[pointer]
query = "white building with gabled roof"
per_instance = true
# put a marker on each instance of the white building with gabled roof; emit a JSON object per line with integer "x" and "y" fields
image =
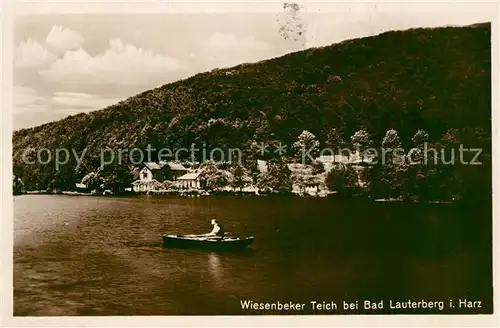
{"x": 189, "y": 180}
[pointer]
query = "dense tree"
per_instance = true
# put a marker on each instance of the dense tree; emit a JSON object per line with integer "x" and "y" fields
{"x": 361, "y": 140}
{"x": 240, "y": 177}
{"x": 251, "y": 165}
{"x": 334, "y": 141}
{"x": 213, "y": 178}
{"x": 343, "y": 180}
{"x": 306, "y": 147}
{"x": 391, "y": 140}
{"x": 277, "y": 178}
{"x": 117, "y": 178}
{"x": 392, "y": 172}
{"x": 420, "y": 138}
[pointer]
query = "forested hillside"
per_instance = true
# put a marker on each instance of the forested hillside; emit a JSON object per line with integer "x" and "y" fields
{"x": 430, "y": 79}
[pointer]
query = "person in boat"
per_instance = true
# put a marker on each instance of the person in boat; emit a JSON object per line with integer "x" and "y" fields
{"x": 217, "y": 229}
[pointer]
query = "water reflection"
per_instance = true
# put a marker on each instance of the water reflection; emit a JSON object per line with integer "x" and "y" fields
{"x": 214, "y": 267}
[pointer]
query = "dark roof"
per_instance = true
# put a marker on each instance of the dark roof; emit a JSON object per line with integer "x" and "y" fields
{"x": 157, "y": 166}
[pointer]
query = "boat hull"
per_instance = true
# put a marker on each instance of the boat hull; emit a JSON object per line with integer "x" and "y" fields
{"x": 210, "y": 243}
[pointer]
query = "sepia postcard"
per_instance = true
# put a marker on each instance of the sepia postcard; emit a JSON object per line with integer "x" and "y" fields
{"x": 267, "y": 163}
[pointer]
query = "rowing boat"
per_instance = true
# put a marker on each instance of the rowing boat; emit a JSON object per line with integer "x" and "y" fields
{"x": 206, "y": 242}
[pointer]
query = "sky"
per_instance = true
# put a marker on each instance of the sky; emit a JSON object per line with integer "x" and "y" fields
{"x": 73, "y": 63}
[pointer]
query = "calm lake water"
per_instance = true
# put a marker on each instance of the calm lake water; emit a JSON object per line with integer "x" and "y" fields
{"x": 77, "y": 255}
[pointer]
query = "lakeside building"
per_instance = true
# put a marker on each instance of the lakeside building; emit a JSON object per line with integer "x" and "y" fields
{"x": 189, "y": 180}
{"x": 161, "y": 171}
{"x": 154, "y": 173}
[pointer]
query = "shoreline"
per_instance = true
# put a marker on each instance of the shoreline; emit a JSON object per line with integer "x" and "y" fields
{"x": 204, "y": 193}
{"x": 176, "y": 193}
{"x": 401, "y": 200}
